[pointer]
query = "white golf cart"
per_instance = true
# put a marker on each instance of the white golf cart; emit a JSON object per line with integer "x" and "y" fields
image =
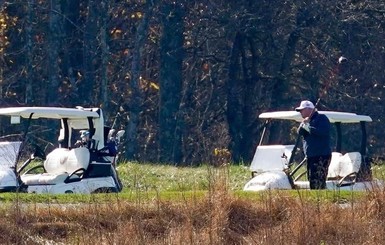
{"x": 273, "y": 166}
{"x": 65, "y": 169}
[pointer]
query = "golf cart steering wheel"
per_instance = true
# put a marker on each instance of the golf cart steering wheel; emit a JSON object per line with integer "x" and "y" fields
{"x": 38, "y": 152}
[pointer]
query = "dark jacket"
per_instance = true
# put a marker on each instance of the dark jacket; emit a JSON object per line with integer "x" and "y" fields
{"x": 317, "y": 142}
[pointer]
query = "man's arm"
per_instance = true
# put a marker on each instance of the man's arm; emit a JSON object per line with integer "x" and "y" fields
{"x": 320, "y": 126}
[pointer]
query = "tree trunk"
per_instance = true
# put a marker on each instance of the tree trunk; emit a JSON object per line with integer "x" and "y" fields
{"x": 170, "y": 79}
{"x": 54, "y": 46}
{"x": 242, "y": 98}
{"x": 28, "y": 56}
{"x": 104, "y": 95}
{"x": 234, "y": 95}
{"x": 73, "y": 57}
{"x": 280, "y": 93}
{"x": 135, "y": 104}
{"x": 90, "y": 48}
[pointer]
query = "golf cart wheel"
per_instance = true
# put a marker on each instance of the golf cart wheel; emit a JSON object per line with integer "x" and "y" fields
{"x": 106, "y": 190}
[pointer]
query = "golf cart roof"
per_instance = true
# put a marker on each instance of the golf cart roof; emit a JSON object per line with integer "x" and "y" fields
{"x": 334, "y": 116}
{"x": 51, "y": 112}
{"x": 72, "y": 119}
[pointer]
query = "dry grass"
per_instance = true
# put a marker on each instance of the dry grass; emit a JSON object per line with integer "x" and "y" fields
{"x": 217, "y": 218}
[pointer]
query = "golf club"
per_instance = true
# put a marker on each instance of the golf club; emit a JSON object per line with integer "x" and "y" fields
{"x": 342, "y": 60}
{"x": 333, "y": 74}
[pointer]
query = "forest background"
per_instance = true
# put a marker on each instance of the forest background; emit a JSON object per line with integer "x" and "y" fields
{"x": 186, "y": 77}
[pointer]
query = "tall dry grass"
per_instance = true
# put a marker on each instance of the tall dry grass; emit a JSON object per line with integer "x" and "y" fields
{"x": 218, "y": 218}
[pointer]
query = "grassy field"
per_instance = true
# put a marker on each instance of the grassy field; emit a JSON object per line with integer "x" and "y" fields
{"x": 162, "y": 204}
{"x": 169, "y": 178}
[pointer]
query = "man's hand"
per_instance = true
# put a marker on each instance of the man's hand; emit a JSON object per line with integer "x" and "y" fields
{"x": 79, "y": 143}
{"x": 304, "y": 128}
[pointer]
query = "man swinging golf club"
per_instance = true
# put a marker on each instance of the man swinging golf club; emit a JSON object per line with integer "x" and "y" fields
{"x": 315, "y": 130}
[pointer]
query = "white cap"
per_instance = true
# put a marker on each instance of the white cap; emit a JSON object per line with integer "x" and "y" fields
{"x": 84, "y": 133}
{"x": 305, "y": 104}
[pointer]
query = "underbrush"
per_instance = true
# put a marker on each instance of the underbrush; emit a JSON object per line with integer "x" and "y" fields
{"x": 215, "y": 217}
{"x": 197, "y": 206}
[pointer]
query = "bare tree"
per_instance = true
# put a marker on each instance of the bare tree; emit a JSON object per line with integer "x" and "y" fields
{"x": 170, "y": 80}
{"x": 29, "y": 53}
{"x": 54, "y": 46}
{"x": 90, "y": 53}
{"x": 104, "y": 83}
{"x": 136, "y": 101}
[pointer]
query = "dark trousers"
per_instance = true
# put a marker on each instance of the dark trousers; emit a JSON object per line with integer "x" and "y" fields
{"x": 317, "y": 171}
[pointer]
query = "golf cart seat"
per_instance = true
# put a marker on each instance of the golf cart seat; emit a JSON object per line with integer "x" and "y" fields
{"x": 61, "y": 166}
{"x": 344, "y": 167}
